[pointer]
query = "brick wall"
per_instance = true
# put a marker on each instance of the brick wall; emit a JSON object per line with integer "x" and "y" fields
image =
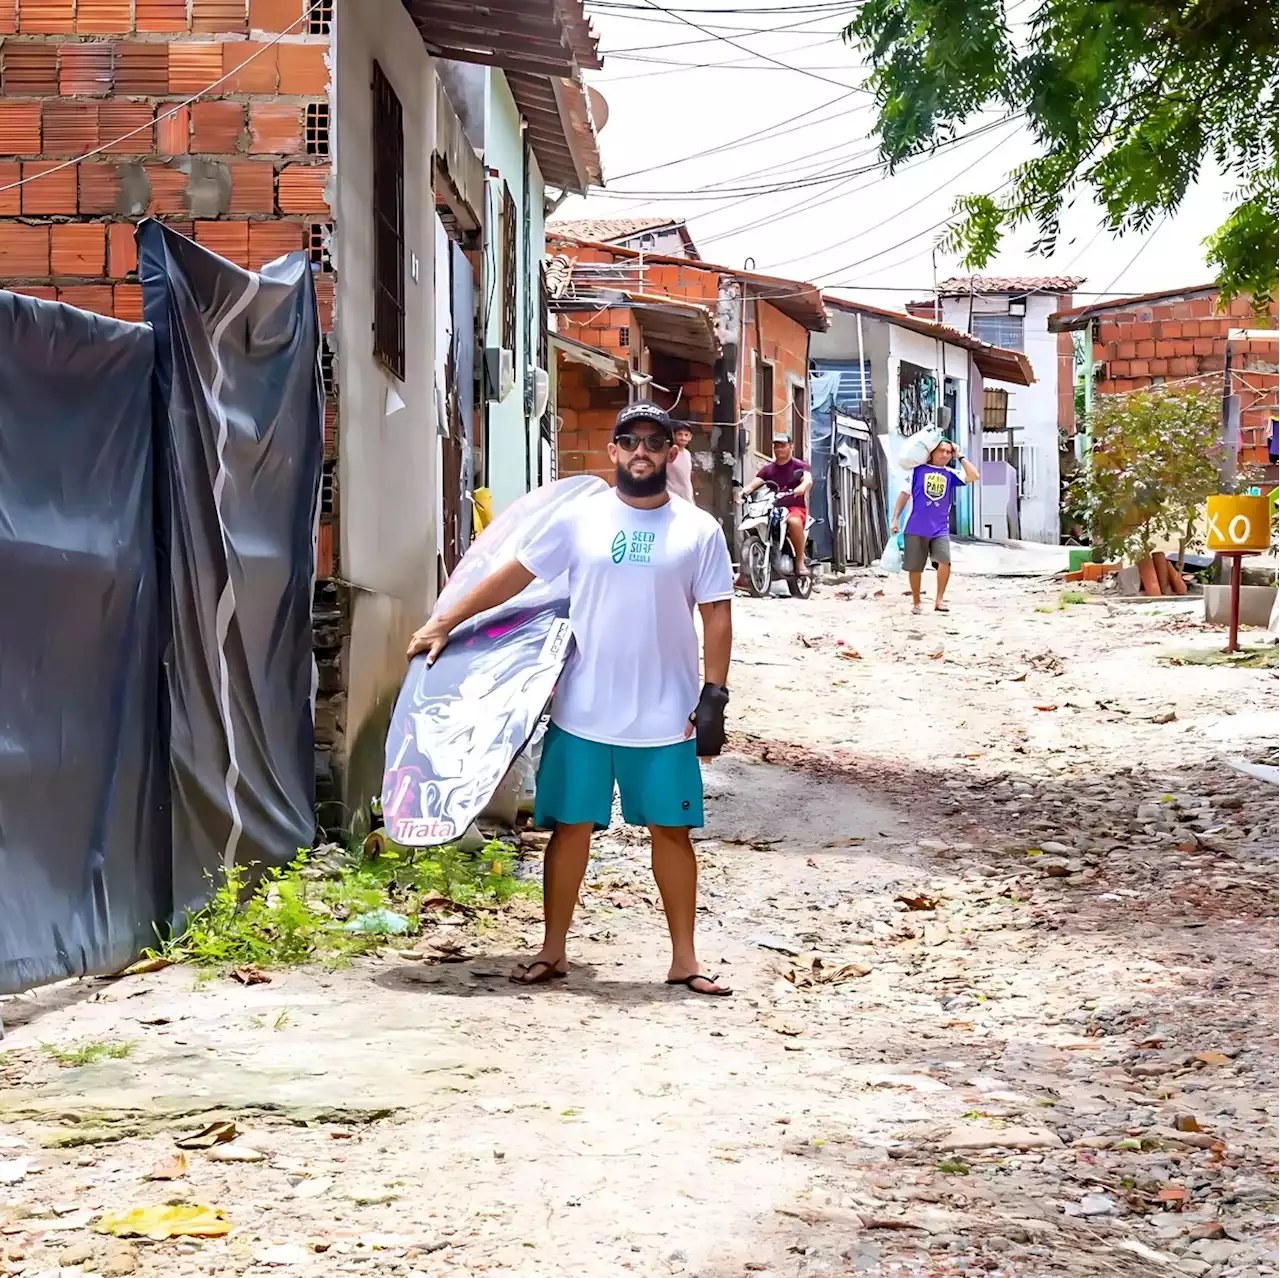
{"x": 1174, "y": 341}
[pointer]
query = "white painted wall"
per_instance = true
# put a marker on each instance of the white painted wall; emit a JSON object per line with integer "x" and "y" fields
{"x": 387, "y": 480}
{"x": 1033, "y": 408}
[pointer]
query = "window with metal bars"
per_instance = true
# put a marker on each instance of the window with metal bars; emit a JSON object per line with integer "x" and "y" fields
{"x": 388, "y": 224}
{"x": 999, "y": 330}
{"x": 624, "y": 336}
{"x": 320, "y": 17}
{"x": 764, "y": 408}
{"x": 317, "y": 128}
{"x": 508, "y": 269}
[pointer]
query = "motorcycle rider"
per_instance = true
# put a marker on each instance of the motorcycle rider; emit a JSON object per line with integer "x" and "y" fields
{"x": 793, "y": 479}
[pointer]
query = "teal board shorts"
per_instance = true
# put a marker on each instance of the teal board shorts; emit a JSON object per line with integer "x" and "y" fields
{"x": 659, "y": 785}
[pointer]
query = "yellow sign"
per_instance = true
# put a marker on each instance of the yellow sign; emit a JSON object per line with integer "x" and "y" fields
{"x": 1238, "y": 524}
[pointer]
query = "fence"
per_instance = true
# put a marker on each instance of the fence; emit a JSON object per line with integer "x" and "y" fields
{"x": 159, "y": 494}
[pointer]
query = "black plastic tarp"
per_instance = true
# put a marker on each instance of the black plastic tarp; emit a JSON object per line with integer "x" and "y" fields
{"x": 84, "y": 832}
{"x": 240, "y": 407}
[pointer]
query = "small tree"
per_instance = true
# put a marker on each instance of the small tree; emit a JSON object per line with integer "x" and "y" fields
{"x": 1153, "y": 463}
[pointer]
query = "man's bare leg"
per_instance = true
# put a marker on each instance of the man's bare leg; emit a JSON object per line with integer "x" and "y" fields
{"x": 675, "y": 867}
{"x": 795, "y": 531}
{"x": 944, "y": 576}
{"x": 917, "y": 580}
{"x": 563, "y": 868}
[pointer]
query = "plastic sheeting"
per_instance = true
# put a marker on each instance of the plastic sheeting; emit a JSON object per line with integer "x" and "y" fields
{"x": 240, "y": 396}
{"x": 460, "y": 724}
{"x": 84, "y": 831}
{"x": 823, "y": 388}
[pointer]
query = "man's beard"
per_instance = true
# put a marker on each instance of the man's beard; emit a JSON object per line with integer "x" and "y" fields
{"x": 650, "y": 486}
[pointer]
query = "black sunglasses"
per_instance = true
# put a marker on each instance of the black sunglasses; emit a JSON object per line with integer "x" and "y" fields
{"x": 652, "y": 443}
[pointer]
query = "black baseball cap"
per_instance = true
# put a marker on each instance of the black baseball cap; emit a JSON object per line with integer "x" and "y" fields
{"x": 643, "y": 411}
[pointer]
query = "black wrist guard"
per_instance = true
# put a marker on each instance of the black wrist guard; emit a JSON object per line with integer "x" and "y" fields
{"x": 708, "y": 720}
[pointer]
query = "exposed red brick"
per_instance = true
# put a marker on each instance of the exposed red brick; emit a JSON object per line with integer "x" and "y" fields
{"x": 324, "y": 302}
{"x": 1118, "y": 368}
{"x": 86, "y": 70}
{"x": 103, "y": 17}
{"x": 45, "y": 292}
{"x": 46, "y": 188}
{"x": 252, "y": 68}
{"x": 324, "y": 550}
{"x": 128, "y": 302}
{"x": 142, "y": 68}
{"x": 330, "y": 428}
{"x": 8, "y": 17}
{"x": 1203, "y": 346}
{"x": 218, "y": 15}
{"x": 270, "y": 240}
{"x": 89, "y": 297}
{"x": 130, "y": 123}
{"x": 168, "y": 16}
{"x": 193, "y": 65}
{"x": 1126, "y": 350}
{"x": 253, "y": 187}
{"x": 1145, "y": 350}
{"x": 24, "y": 250}
{"x": 99, "y": 187}
{"x": 1141, "y": 332}
{"x": 173, "y": 129}
{"x": 30, "y": 70}
{"x": 1158, "y": 367}
{"x": 216, "y": 127}
{"x": 47, "y": 17}
{"x": 302, "y": 188}
{"x": 19, "y": 128}
{"x": 11, "y": 198}
{"x": 1184, "y": 346}
{"x": 168, "y": 190}
{"x": 70, "y": 128}
{"x": 1139, "y": 368}
{"x": 302, "y": 68}
{"x": 275, "y": 16}
{"x": 227, "y": 239}
{"x": 78, "y": 248}
{"x": 275, "y": 128}
{"x": 122, "y": 250}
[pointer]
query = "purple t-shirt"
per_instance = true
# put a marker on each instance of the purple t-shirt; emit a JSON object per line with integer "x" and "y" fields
{"x": 932, "y": 489}
{"x": 787, "y": 476}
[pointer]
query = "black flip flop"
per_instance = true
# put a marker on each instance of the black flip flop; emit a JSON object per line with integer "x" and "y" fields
{"x": 688, "y": 981}
{"x": 551, "y": 973}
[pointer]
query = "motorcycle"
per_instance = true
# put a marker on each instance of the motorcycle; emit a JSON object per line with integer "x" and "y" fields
{"x": 766, "y": 549}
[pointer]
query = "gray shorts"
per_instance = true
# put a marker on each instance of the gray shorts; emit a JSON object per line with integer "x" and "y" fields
{"x": 917, "y": 550}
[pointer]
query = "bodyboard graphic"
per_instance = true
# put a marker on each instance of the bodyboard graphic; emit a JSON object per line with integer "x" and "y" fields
{"x": 459, "y": 725}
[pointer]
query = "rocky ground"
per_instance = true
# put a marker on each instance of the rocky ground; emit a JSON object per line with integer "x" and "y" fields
{"x": 1001, "y": 920}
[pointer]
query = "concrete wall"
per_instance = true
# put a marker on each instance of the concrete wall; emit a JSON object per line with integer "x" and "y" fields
{"x": 387, "y": 467}
{"x": 1033, "y": 410}
{"x": 512, "y": 460}
{"x": 840, "y": 341}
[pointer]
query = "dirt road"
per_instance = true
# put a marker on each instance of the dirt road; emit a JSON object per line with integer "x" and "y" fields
{"x": 1000, "y": 920}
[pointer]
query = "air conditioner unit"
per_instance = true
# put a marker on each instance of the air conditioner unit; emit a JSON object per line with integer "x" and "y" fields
{"x": 499, "y": 372}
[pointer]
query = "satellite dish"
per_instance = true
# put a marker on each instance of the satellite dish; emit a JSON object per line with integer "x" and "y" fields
{"x": 599, "y": 108}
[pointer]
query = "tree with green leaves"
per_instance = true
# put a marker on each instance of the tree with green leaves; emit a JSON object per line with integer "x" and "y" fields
{"x": 1153, "y": 463}
{"x": 1130, "y": 100}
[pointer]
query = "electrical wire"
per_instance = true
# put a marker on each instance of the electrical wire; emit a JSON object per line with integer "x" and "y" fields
{"x": 709, "y": 39}
{"x": 174, "y": 110}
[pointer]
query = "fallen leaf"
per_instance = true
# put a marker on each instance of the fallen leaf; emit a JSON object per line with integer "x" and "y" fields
{"x": 1047, "y": 708}
{"x": 169, "y": 1169}
{"x": 1213, "y": 1058}
{"x": 143, "y": 966}
{"x": 250, "y": 974}
{"x": 850, "y": 654}
{"x": 818, "y": 973}
{"x": 215, "y": 1134}
{"x": 920, "y": 902}
{"x": 161, "y": 1222}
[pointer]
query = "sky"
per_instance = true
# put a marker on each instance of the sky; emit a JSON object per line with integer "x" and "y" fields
{"x": 773, "y": 94}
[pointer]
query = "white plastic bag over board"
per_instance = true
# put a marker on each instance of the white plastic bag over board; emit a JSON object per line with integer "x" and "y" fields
{"x": 916, "y": 448}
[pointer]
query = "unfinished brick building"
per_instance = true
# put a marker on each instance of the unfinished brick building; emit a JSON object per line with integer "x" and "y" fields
{"x": 1180, "y": 335}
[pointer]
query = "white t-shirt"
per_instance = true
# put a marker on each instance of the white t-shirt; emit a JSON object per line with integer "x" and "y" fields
{"x": 680, "y": 475}
{"x": 635, "y": 577}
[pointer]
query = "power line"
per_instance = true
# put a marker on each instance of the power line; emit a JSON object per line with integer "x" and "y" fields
{"x": 746, "y": 31}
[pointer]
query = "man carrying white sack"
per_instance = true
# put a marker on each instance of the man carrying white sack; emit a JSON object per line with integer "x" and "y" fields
{"x": 627, "y": 708}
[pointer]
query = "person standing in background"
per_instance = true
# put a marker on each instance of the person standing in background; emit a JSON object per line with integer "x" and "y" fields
{"x": 680, "y": 467}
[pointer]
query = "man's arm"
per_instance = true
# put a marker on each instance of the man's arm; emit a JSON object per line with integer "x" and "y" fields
{"x": 971, "y": 475}
{"x": 717, "y": 640}
{"x": 903, "y": 498}
{"x": 757, "y": 482}
{"x": 806, "y": 483}
{"x": 492, "y": 592}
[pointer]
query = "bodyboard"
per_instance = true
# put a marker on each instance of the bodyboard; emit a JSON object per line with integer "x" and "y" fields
{"x": 459, "y": 725}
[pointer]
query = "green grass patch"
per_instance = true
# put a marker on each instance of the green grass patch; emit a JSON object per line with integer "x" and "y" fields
{"x": 295, "y": 914}
{"x": 87, "y": 1053}
{"x": 953, "y": 1167}
{"x": 1246, "y": 659}
{"x": 1069, "y": 597}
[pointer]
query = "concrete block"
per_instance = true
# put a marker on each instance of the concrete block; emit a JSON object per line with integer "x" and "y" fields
{"x": 1256, "y": 603}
